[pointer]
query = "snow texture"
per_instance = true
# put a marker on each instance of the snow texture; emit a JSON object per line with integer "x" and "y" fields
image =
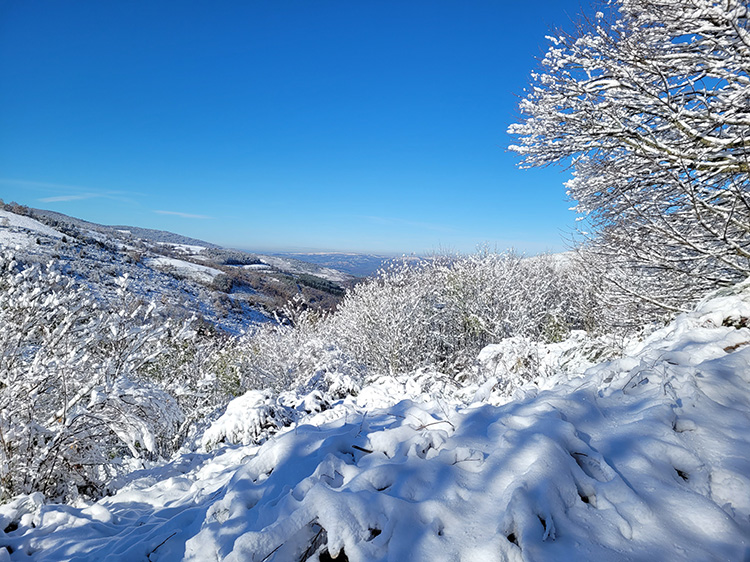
{"x": 188, "y": 270}
{"x": 19, "y": 230}
{"x": 642, "y": 458}
{"x": 187, "y": 249}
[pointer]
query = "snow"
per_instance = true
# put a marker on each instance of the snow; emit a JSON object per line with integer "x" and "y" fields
{"x": 557, "y": 258}
{"x": 13, "y": 238}
{"x": 243, "y": 420}
{"x": 192, "y": 271}
{"x": 643, "y": 457}
{"x": 21, "y": 221}
{"x": 187, "y": 249}
{"x": 20, "y": 230}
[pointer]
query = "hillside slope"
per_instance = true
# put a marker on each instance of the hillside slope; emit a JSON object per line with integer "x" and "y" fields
{"x": 646, "y": 457}
{"x": 156, "y": 238}
{"x": 230, "y": 289}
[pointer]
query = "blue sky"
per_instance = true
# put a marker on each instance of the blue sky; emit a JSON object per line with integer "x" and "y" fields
{"x": 374, "y": 126}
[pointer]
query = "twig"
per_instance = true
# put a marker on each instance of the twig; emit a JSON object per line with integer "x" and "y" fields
{"x": 426, "y": 425}
{"x": 271, "y": 553}
{"x": 160, "y": 544}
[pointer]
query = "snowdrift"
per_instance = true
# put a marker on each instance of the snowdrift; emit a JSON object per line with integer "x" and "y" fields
{"x": 646, "y": 457}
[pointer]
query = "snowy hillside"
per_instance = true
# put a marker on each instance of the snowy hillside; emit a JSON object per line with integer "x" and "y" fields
{"x": 194, "y": 247}
{"x": 184, "y": 268}
{"x": 97, "y": 259}
{"x": 297, "y": 266}
{"x": 645, "y": 457}
{"x": 359, "y": 265}
{"x": 21, "y": 230}
{"x": 191, "y": 276}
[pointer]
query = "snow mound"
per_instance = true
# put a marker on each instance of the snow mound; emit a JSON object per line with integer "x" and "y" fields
{"x": 244, "y": 420}
{"x": 642, "y": 458}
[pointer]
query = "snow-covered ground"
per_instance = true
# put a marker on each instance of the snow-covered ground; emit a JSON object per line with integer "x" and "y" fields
{"x": 184, "y": 269}
{"x": 642, "y": 458}
{"x": 257, "y": 267}
{"x": 19, "y": 230}
{"x": 187, "y": 249}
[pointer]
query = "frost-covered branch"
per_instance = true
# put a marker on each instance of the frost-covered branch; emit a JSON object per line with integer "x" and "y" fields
{"x": 653, "y": 107}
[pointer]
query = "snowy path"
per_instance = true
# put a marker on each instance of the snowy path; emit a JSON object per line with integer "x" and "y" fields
{"x": 645, "y": 458}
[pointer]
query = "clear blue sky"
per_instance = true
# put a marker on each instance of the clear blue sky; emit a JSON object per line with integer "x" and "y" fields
{"x": 374, "y": 126}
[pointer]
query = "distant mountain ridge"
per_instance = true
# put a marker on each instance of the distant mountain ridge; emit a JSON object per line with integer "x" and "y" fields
{"x": 154, "y": 235}
{"x": 352, "y": 265}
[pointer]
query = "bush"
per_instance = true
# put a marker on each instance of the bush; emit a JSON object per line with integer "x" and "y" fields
{"x": 439, "y": 313}
{"x": 442, "y": 312}
{"x": 77, "y": 392}
{"x": 222, "y": 282}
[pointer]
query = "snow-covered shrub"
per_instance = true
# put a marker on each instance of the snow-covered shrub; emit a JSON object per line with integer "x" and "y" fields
{"x": 516, "y": 361}
{"x": 247, "y": 419}
{"x": 426, "y": 321}
{"x": 73, "y": 395}
{"x": 391, "y": 323}
{"x": 436, "y": 313}
{"x": 444, "y": 311}
{"x": 193, "y": 371}
{"x": 258, "y": 414}
{"x": 297, "y": 351}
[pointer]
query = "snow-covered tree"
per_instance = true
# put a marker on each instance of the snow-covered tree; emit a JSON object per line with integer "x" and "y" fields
{"x": 652, "y": 104}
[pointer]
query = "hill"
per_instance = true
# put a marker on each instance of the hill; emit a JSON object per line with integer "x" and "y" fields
{"x": 160, "y": 236}
{"x": 229, "y": 288}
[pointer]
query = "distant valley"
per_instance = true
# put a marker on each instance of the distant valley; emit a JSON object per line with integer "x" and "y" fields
{"x": 358, "y": 265}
